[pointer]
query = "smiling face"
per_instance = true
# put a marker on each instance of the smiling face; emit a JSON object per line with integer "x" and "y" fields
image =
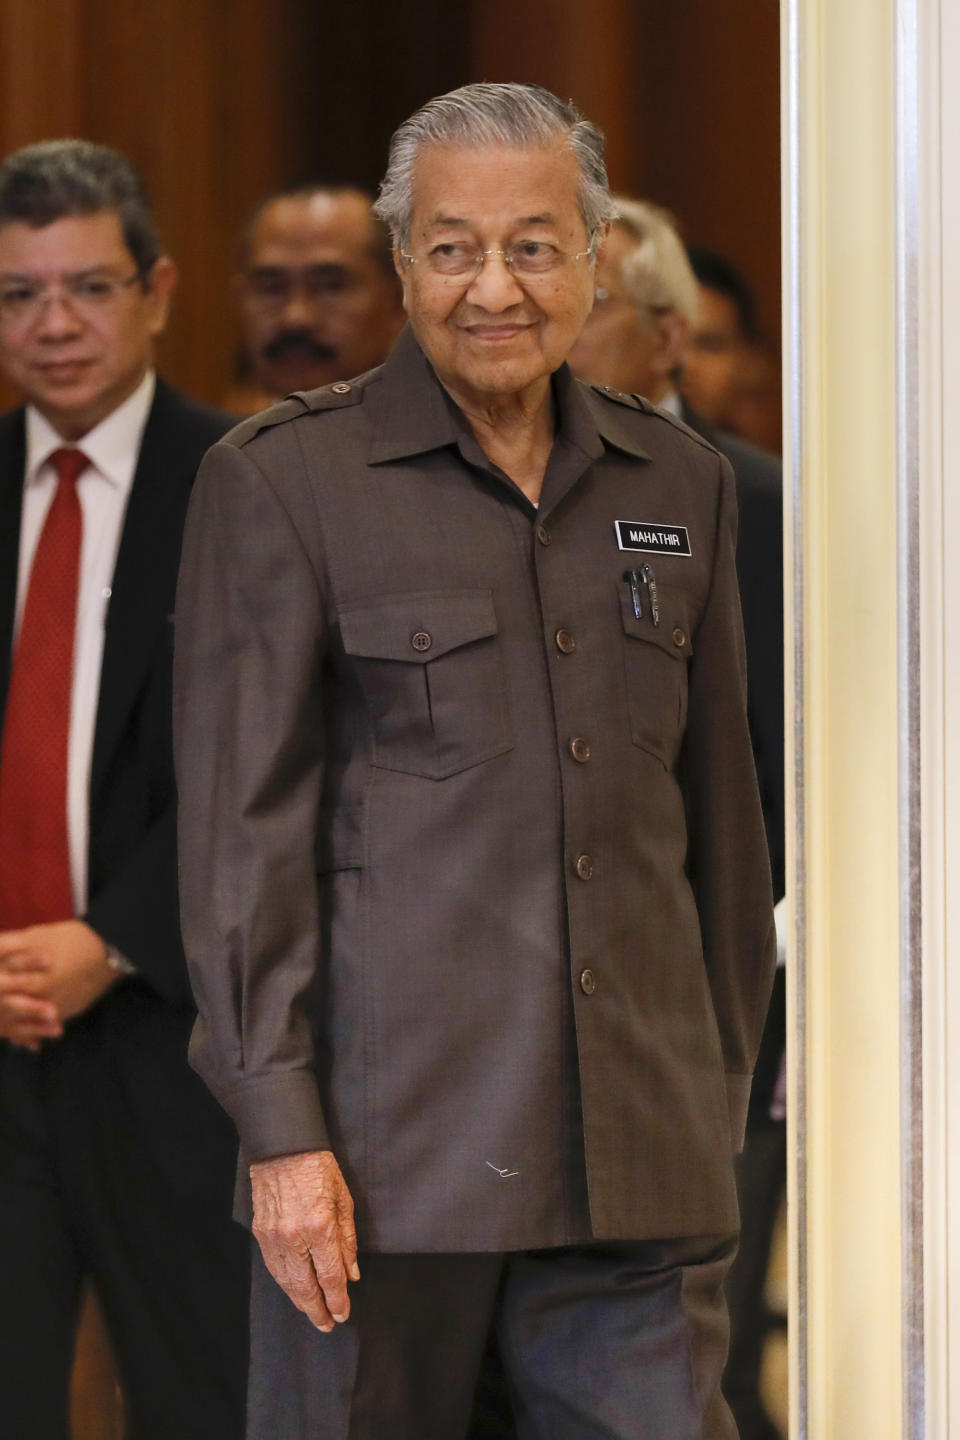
{"x": 495, "y": 335}
{"x": 77, "y": 364}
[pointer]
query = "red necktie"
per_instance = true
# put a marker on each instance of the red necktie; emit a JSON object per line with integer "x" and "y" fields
{"x": 35, "y": 884}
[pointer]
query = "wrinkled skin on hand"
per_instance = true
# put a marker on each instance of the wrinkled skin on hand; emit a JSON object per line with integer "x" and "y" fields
{"x": 303, "y": 1221}
{"x": 48, "y": 974}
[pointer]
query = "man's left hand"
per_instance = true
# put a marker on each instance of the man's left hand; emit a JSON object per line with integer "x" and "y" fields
{"x": 63, "y": 963}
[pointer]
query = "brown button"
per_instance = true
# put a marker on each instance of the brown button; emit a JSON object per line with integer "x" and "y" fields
{"x": 341, "y": 388}
{"x": 679, "y": 638}
{"x": 588, "y": 982}
{"x": 543, "y": 535}
{"x": 584, "y": 867}
{"x": 580, "y": 749}
{"x": 421, "y": 640}
{"x": 566, "y": 642}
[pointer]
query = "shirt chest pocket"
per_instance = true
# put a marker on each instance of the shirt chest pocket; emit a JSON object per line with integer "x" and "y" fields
{"x": 431, "y": 669}
{"x": 655, "y": 662}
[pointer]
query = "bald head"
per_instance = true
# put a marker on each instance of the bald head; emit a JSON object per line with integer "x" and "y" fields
{"x": 319, "y": 299}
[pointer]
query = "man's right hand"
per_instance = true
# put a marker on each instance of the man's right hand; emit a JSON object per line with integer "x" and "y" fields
{"x": 27, "y": 1015}
{"x": 303, "y": 1221}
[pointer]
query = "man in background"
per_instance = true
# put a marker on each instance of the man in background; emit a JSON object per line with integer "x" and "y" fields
{"x": 730, "y": 376}
{"x": 319, "y": 297}
{"x": 115, "y": 1166}
{"x": 637, "y": 339}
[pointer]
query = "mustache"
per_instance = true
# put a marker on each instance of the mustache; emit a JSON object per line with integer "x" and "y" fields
{"x": 298, "y": 343}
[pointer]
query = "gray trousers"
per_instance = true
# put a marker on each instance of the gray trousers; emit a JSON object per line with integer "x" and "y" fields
{"x": 601, "y": 1342}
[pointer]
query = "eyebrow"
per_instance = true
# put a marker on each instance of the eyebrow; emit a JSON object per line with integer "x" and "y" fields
{"x": 546, "y": 218}
{"x": 320, "y": 267}
{"x": 106, "y": 265}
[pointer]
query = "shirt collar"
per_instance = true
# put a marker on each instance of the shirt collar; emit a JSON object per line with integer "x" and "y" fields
{"x": 111, "y": 447}
{"x": 413, "y": 412}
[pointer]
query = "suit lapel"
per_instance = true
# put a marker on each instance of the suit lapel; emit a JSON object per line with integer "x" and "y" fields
{"x": 144, "y": 580}
{"x": 12, "y": 459}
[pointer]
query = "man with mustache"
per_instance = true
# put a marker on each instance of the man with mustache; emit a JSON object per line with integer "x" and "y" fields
{"x": 319, "y": 298}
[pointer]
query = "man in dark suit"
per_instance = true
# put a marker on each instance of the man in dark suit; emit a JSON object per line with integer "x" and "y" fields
{"x": 114, "y": 1165}
{"x": 462, "y": 750}
{"x": 636, "y": 338}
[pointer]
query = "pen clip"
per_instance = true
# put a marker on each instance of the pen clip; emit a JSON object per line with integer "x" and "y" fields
{"x": 649, "y": 579}
{"x": 633, "y": 578}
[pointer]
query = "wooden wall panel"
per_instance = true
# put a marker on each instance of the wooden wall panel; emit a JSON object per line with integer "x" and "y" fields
{"x": 709, "y": 85}
{"x": 587, "y": 53}
{"x": 220, "y": 101}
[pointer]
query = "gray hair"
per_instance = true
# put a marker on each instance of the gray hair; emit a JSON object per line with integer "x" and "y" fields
{"x": 55, "y": 179}
{"x": 657, "y": 272}
{"x": 508, "y": 114}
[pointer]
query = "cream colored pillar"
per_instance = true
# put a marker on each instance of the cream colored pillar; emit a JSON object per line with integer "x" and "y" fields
{"x": 841, "y": 328}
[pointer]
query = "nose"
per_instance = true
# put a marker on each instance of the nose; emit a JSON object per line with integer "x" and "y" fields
{"x": 58, "y": 318}
{"x": 495, "y": 286}
{"x": 299, "y": 308}
{"x": 296, "y": 312}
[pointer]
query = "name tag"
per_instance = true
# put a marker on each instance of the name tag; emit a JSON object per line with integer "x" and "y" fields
{"x": 647, "y": 535}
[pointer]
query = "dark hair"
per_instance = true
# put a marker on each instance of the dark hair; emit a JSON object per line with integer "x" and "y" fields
{"x": 57, "y": 178}
{"x": 381, "y": 244}
{"x": 718, "y": 273}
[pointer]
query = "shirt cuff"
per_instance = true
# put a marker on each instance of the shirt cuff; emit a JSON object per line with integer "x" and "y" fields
{"x": 278, "y": 1114}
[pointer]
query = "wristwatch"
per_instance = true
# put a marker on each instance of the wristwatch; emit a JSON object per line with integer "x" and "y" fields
{"x": 119, "y": 962}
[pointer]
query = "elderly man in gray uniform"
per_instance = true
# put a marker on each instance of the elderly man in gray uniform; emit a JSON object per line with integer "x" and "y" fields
{"x": 474, "y": 880}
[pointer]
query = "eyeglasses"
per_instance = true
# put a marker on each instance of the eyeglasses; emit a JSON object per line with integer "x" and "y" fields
{"x": 23, "y": 301}
{"x": 526, "y": 259}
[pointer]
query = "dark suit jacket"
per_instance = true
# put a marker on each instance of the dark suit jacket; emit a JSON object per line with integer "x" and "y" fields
{"x": 132, "y": 855}
{"x": 759, "y": 477}
{"x": 540, "y": 942}
{"x": 112, "y": 1109}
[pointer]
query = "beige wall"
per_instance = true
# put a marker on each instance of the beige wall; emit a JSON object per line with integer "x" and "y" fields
{"x": 843, "y": 205}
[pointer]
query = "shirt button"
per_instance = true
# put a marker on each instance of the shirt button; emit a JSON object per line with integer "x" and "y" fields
{"x": 566, "y": 642}
{"x": 106, "y": 592}
{"x": 341, "y": 388}
{"x": 679, "y": 638}
{"x": 543, "y": 535}
{"x": 580, "y": 749}
{"x": 584, "y": 867}
{"x": 588, "y": 982}
{"x": 421, "y": 640}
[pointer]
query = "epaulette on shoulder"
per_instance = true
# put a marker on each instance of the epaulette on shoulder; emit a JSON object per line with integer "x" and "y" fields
{"x": 620, "y": 397}
{"x": 680, "y": 425}
{"x": 637, "y": 402}
{"x": 301, "y": 402}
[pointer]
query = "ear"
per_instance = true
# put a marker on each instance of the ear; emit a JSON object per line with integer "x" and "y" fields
{"x": 602, "y": 233}
{"x": 673, "y": 336}
{"x": 161, "y": 284}
{"x": 403, "y": 269}
{"x": 160, "y": 287}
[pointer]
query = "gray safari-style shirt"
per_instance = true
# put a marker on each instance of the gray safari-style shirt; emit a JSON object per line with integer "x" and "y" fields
{"x": 475, "y": 888}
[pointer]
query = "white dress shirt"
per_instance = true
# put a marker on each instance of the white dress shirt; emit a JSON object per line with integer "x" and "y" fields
{"x": 112, "y": 448}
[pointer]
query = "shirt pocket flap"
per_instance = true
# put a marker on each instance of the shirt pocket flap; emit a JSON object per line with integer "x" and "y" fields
{"x": 672, "y": 632}
{"x": 417, "y": 627}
